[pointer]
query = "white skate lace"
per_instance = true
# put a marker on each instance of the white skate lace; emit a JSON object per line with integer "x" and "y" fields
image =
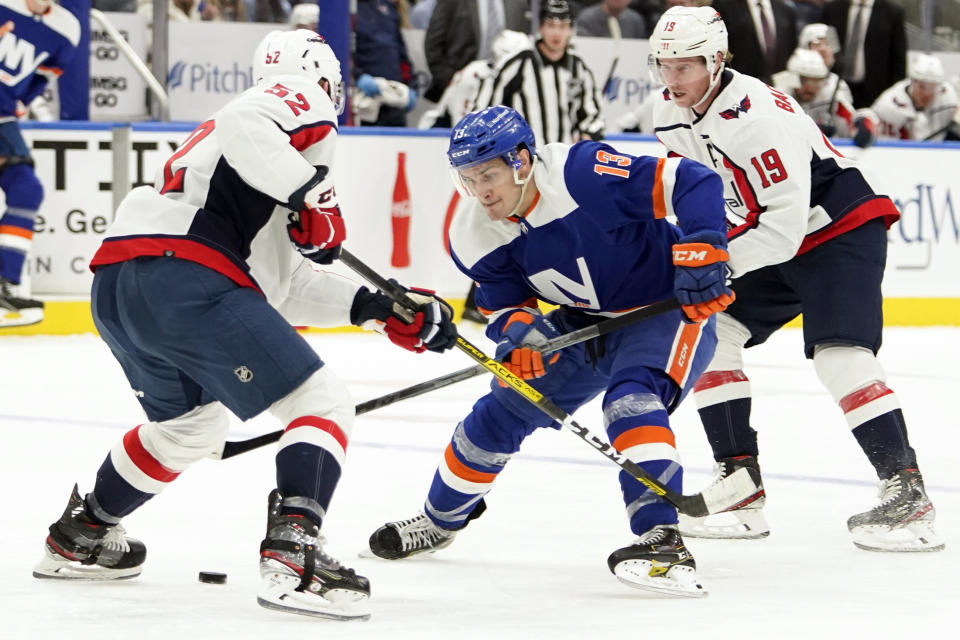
{"x": 328, "y": 561}
{"x": 419, "y": 532}
{"x": 116, "y": 539}
{"x": 653, "y": 536}
{"x": 890, "y": 490}
{"x": 720, "y": 469}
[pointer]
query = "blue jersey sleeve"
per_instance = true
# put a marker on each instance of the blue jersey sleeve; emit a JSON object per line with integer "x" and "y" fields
{"x": 500, "y": 285}
{"x": 698, "y": 199}
{"x": 619, "y": 189}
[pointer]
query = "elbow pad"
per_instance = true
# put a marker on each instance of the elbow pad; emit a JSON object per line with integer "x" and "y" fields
{"x": 297, "y": 199}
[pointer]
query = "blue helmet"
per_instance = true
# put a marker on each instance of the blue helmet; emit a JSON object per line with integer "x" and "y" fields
{"x": 494, "y": 132}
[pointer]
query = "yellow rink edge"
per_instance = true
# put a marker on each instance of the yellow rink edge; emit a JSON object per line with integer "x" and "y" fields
{"x": 73, "y": 317}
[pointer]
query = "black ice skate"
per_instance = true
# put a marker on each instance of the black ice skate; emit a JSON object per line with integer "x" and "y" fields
{"x": 298, "y": 577}
{"x": 80, "y": 549}
{"x": 903, "y": 521}
{"x": 405, "y": 538}
{"x": 15, "y": 311}
{"x": 744, "y": 521}
{"x": 658, "y": 561}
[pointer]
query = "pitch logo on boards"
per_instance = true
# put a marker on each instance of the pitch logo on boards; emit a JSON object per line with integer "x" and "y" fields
{"x": 209, "y": 78}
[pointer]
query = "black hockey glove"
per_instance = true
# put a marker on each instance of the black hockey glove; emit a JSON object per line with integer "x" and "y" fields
{"x": 865, "y": 132}
{"x": 430, "y": 328}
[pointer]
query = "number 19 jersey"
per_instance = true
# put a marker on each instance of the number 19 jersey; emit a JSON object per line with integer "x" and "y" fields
{"x": 787, "y": 189}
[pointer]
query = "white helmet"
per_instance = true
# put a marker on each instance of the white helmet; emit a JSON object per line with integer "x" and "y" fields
{"x": 300, "y": 53}
{"x": 508, "y": 43}
{"x": 305, "y": 13}
{"x": 808, "y": 64}
{"x": 926, "y": 68}
{"x": 816, "y": 31}
{"x": 685, "y": 32}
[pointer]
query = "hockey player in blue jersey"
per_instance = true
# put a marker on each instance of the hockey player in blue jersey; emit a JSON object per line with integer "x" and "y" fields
{"x": 810, "y": 237}
{"x": 198, "y": 285}
{"x": 37, "y": 38}
{"x": 583, "y": 227}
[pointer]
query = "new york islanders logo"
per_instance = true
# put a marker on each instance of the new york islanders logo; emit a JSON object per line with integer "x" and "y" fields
{"x": 734, "y": 112}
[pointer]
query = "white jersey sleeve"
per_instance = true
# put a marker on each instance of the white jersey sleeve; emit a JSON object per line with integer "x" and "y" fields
{"x": 318, "y": 298}
{"x": 894, "y": 113}
{"x": 940, "y": 114}
{"x": 897, "y": 117}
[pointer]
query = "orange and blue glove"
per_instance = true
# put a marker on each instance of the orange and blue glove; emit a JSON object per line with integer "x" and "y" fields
{"x": 700, "y": 274}
{"x": 521, "y": 343}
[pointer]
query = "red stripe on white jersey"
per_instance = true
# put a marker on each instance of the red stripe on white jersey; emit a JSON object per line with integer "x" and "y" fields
{"x": 128, "y": 248}
{"x": 144, "y": 460}
{"x": 716, "y": 387}
{"x": 328, "y": 426}
{"x": 870, "y": 402}
{"x": 309, "y": 135}
{"x": 878, "y": 207}
{"x": 318, "y": 432}
{"x": 712, "y": 379}
{"x": 862, "y": 396}
{"x": 844, "y": 113}
{"x": 754, "y": 209}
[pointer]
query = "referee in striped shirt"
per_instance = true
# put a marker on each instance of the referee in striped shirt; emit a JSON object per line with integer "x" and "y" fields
{"x": 549, "y": 85}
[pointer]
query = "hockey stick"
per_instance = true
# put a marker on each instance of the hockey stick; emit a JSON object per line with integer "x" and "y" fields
{"x": 734, "y": 490}
{"x": 942, "y": 129}
{"x": 609, "y": 325}
{"x": 614, "y": 25}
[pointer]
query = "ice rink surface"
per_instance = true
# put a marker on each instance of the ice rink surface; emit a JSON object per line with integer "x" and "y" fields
{"x": 534, "y": 566}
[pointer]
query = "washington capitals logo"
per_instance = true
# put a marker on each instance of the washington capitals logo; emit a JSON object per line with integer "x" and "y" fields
{"x": 730, "y": 114}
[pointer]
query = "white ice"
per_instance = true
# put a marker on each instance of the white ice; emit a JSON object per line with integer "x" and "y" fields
{"x": 534, "y": 565}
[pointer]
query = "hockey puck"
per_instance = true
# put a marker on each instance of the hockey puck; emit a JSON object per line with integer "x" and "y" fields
{"x": 212, "y": 577}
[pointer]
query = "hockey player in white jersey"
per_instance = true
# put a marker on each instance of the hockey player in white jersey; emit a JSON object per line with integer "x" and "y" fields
{"x": 922, "y": 106}
{"x": 37, "y": 39}
{"x": 457, "y": 99}
{"x": 824, "y": 97}
{"x": 809, "y": 236}
{"x": 198, "y": 285}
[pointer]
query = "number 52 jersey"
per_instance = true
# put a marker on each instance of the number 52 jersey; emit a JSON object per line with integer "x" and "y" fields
{"x": 223, "y": 198}
{"x": 787, "y": 189}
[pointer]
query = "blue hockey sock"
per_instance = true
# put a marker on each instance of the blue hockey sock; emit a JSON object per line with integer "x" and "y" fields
{"x": 307, "y": 476}
{"x": 884, "y": 440}
{"x": 727, "y": 425}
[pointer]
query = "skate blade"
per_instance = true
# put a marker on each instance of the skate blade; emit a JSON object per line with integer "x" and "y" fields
{"x": 737, "y": 490}
{"x": 368, "y": 554}
{"x": 743, "y": 524}
{"x": 678, "y": 581}
{"x": 279, "y": 593}
{"x": 914, "y": 537}
{"x": 51, "y": 568}
{"x": 22, "y": 318}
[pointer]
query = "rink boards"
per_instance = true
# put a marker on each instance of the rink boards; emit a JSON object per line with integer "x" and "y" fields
{"x": 74, "y": 162}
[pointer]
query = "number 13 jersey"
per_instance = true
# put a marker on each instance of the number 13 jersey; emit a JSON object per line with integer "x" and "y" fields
{"x": 787, "y": 189}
